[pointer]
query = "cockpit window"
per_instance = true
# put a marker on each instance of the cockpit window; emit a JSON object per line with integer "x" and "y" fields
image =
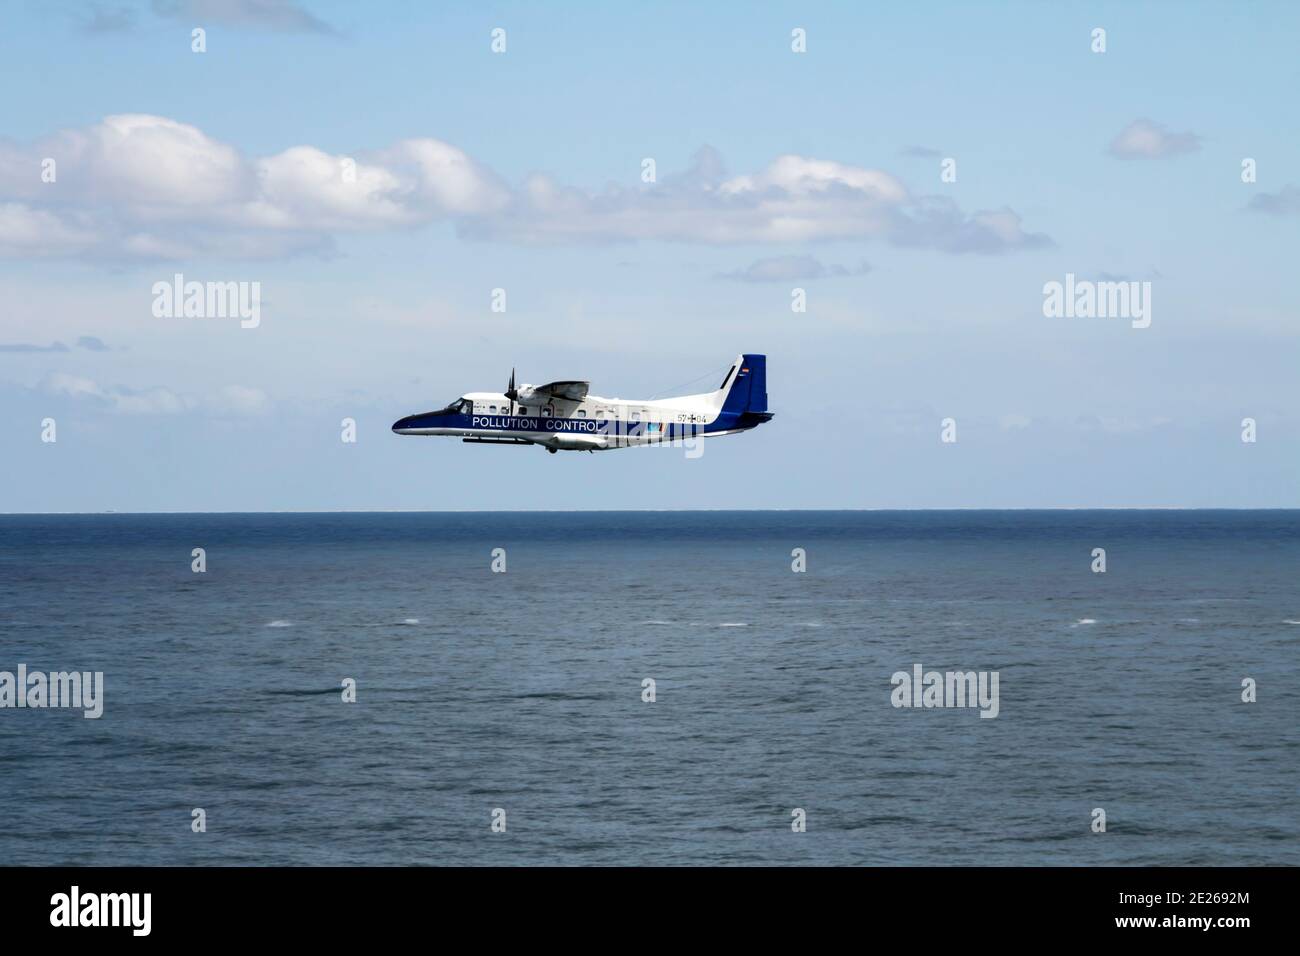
{"x": 462, "y": 406}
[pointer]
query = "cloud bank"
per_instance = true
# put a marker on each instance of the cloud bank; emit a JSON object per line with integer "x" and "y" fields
{"x": 149, "y": 187}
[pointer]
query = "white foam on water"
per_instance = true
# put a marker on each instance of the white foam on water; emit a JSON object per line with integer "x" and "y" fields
{"x": 733, "y": 624}
{"x": 411, "y": 620}
{"x": 280, "y": 624}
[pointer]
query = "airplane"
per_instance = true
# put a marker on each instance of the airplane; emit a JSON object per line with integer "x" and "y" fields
{"x": 564, "y": 416}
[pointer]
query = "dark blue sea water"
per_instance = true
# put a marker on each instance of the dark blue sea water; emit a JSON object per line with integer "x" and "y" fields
{"x": 522, "y": 690}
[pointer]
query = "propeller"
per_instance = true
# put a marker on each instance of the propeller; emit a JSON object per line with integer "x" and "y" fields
{"x": 512, "y": 393}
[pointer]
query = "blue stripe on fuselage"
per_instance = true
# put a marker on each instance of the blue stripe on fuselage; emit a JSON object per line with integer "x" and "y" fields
{"x": 725, "y": 421}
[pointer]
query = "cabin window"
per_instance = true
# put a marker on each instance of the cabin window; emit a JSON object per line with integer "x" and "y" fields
{"x": 600, "y": 414}
{"x": 492, "y": 408}
{"x": 523, "y": 409}
{"x": 581, "y": 413}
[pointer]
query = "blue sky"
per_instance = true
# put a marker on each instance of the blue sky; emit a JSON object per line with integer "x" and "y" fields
{"x": 522, "y": 171}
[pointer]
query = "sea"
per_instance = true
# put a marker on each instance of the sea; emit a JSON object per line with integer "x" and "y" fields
{"x": 654, "y": 688}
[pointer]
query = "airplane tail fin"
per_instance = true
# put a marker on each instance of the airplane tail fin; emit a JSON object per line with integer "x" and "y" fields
{"x": 748, "y": 388}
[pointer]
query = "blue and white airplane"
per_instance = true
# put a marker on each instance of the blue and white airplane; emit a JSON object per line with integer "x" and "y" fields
{"x": 564, "y": 416}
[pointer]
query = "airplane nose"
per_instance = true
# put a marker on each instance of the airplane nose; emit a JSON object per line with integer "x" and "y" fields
{"x": 401, "y": 423}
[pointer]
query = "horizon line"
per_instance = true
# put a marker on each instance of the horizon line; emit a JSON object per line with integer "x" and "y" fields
{"x": 372, "y": 511}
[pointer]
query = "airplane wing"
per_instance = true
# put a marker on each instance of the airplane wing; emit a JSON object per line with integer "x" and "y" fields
{"x": 569, "y": 391}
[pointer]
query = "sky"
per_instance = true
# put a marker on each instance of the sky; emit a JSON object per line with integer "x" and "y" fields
{"x": 922, "y": 172}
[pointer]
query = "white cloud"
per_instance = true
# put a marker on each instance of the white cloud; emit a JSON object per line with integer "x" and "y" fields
{"x": 442, "y": 177}
{"x": 794, "y": 199}
{"x": 150, "y": 401}
{"x": 284, "y": 16}
{"x": 63, "y": 384}
{"x": 797, "y": 176}
{"x": 1144, "y": 139}
{"x": 143, "y": 186}
{"x": 792, "y": 268}
{"x": 1284, "y": 202}
{"x": 25, "y": 231}
{"x": 152, "y": 163}
{"x": 304, "y": 187}
{"x": 242, "y": 399}
{"x": 150, "y": 160}
{"x": 90, "y": 343}
{"x": 156, "y": 400}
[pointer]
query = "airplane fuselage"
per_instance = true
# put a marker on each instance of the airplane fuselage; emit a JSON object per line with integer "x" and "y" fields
{"x": 598, "y": 424}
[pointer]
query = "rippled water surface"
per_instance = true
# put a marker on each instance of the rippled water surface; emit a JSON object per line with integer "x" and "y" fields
{"x": 523, "y": 690}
